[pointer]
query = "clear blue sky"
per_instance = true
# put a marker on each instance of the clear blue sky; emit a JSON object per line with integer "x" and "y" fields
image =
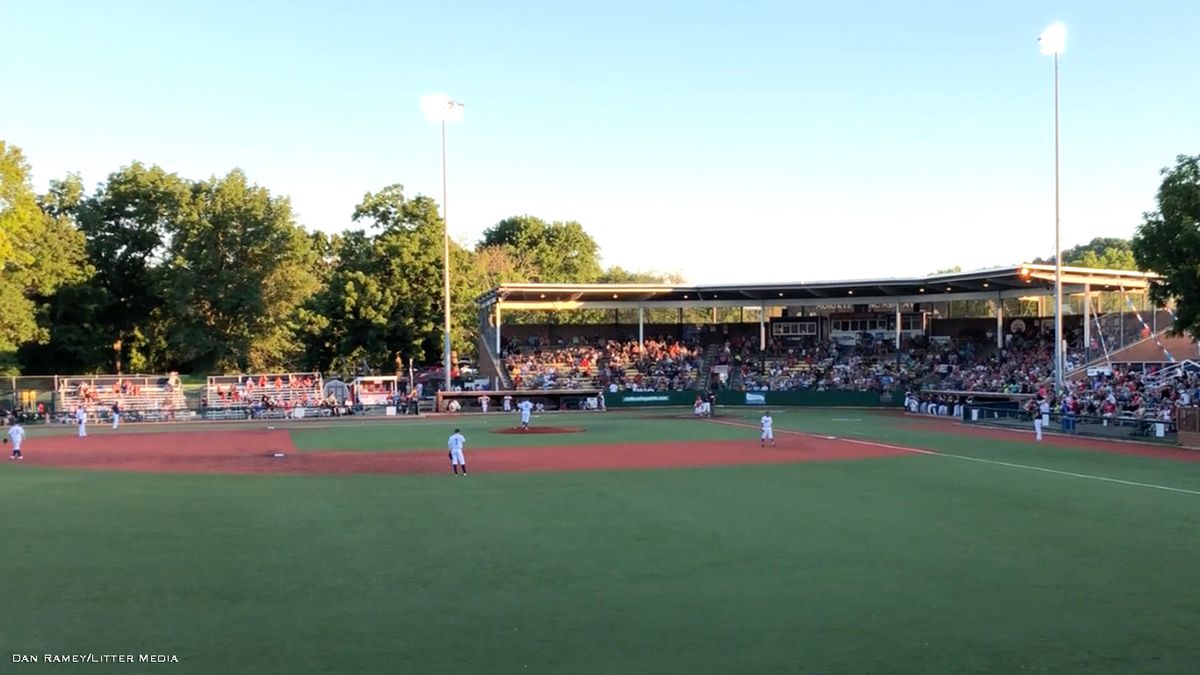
{"x": 731, "y": 141}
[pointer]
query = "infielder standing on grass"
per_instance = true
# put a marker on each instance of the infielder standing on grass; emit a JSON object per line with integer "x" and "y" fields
{"x": 81, "y": 420}
{"x": 456, "y": 452}
{"x": 526, "y": 408}
{"x": 768, "y": 434}
{"x": 16, "y": 434}
{"x": 116, "y": 414}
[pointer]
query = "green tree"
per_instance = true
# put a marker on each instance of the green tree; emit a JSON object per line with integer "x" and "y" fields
{"x": 40, "y": 250}
{"x": 1168, "y": 242}
{"x": 238, "y": 274}
{"x": 558, "y": 252}
{"x": 1108, "y": 253}
{"x": 126, "y": 223}
{"x": 384, "y": 297}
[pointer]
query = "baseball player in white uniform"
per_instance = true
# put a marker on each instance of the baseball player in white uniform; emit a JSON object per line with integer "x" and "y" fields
{"x": 456, "y": 443}
{"x": 81, "y": 420}
{"x": 1041, "y": 417}
{"x": 526, "y": 408}
{"x": 116, "y": 414}
{"x": 484, "y": 401}
{"x": 16, "y": 434}
{"x": 507, "y": 403}
{"x": 768, "y": 432}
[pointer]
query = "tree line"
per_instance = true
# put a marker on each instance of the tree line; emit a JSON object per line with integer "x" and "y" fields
{"x": 169, "y": 273}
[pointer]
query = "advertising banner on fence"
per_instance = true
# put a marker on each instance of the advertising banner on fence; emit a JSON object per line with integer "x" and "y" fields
{"x": 755, "y": 399}
{"x": 650, "y": 398}
{"x": 646, "y": 398}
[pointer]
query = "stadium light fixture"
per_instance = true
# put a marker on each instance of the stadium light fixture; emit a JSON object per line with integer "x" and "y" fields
{"x": 442, "y": 109}
{"x": 1053, "y": 41}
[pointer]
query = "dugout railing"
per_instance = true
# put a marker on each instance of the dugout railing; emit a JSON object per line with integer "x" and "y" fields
{"x": 1119, "y": 427}
{"x": 550, "y": 399}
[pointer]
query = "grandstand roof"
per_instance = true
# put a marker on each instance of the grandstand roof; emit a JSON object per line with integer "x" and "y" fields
{"x": 1002, "y": 282}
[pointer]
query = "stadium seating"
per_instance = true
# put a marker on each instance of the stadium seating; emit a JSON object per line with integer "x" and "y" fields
{"x": 273, "y": 395}
{"x": 822, "y": 366}
{"x": 143, "y": 398}
{"x": 658, "y": 365}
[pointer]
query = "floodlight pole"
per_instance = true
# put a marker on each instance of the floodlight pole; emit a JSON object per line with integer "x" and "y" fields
{"x": 1059, "y": 356}
{"x": 445, "y": 263}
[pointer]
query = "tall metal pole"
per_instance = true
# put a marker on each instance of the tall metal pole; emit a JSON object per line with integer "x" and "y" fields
{"x": 445, "y": 262}
{"x": 1059, "y": 361}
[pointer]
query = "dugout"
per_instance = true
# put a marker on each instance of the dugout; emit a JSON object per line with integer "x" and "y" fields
{"x": 551, "y": 399}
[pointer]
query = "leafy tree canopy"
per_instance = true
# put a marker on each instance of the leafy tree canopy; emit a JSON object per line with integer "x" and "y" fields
{"x": 1168, "y": 242}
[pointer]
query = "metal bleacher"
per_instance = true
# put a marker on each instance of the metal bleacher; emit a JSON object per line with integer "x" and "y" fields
{"x": 148, "y": 398}
{"x": 266, "y": 396}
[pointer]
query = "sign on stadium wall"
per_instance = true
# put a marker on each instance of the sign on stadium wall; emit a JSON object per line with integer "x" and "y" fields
{"x": 634, "y": 398}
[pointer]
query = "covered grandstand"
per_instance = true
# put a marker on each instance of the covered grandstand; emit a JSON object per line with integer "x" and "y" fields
{"x": 816, "y": 298}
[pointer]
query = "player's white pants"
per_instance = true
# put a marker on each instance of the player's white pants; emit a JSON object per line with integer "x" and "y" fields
{"x": 116, "y": 420}
{"x": 524, "y": 418}
{"x": 706, "y": 408}
{"x": 1037, "y": 427}
{"x": 456, "y": 457}
{"x": 82, "y": 430}
{"x": 484, "y": 406}
{"x": 768, "y": 435}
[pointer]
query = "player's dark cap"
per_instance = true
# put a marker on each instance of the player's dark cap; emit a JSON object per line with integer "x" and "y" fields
{"x": 456, "y": 431}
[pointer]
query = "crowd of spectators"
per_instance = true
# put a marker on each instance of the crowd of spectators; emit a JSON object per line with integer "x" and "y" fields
{"x": 1127, "y": 395}
{"x": 823, "y": 365}
{"x": 1023, "y": 365}
{"x": 138, "y": 396}
{"x": 660, "y": 364}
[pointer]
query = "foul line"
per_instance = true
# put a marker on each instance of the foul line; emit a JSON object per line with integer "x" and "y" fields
{"x": 1011, "y": 465}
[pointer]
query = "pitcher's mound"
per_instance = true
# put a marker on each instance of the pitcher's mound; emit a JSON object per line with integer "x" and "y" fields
{"x": 539, "y": 430}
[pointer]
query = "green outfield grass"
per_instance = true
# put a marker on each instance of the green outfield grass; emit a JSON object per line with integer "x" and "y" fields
{"x": 911, "y": 564}
{"x": 390, "y": 435}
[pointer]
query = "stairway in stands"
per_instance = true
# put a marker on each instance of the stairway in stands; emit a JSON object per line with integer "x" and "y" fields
{"x": 491, "y": 364}
{"x": 706, "y": 364}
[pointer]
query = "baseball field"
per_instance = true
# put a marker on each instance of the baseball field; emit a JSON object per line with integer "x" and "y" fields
{"x": 864, "y": 542}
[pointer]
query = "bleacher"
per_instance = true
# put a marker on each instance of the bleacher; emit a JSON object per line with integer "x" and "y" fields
{"x": 566, "y": 367}
{"x": 659, "y": 365}
{"x": 143, "y": 398}
{"x": 267, "y": 396}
